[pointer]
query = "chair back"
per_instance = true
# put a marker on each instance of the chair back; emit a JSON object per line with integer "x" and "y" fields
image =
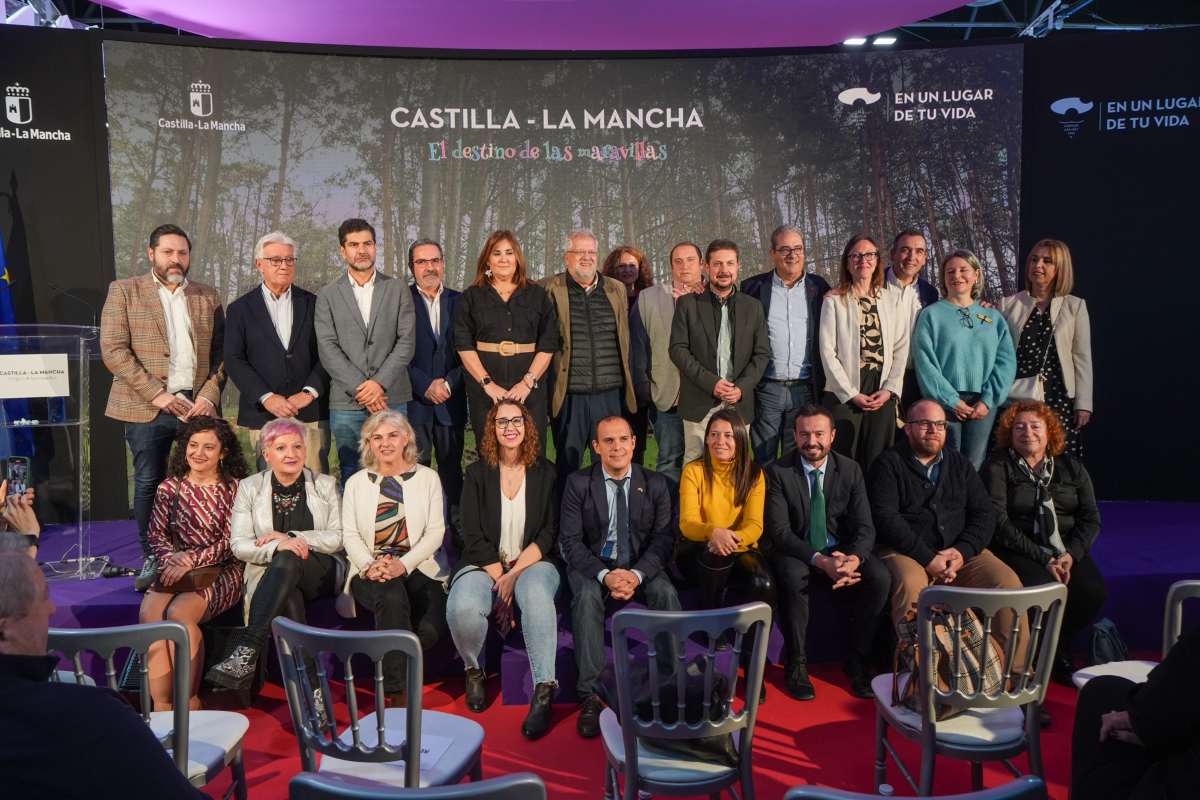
{"x": 1026, "y": 672}
{"x": 295, "y": 643}
{"x": 1026, "y": 788}
{"x": 1173, "y": 618}
{"x": 517, "y": 786}
{"x": 751, "y": 620}
{"x": 72, "y": 643}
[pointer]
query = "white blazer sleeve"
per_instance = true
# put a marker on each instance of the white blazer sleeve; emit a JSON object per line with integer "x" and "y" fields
{"x": 430, "y": 540}
{"x": 327, "y": 536}
{"x": 352, "y": 541}
{"x": 837, "y": 380}
{"x": 1081, "y": 358}
{"x": 241, "y": 529}
{"x": 898, "y": 320}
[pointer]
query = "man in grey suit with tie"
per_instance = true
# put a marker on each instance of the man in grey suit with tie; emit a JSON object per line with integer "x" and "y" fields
{"x": 365, "y": 339}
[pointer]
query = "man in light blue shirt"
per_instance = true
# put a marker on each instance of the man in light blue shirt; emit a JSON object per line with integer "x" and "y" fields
{"x": 792, "y": 303}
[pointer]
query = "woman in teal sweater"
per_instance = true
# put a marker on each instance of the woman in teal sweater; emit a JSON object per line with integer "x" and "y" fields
{"x": 964, "y": 356}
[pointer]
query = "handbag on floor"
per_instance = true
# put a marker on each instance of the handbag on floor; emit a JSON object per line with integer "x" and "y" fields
{"x": 1106, "y": 643}
{"x": 980, "y": 667}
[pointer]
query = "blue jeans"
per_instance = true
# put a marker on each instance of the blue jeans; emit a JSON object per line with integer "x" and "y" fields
{"x": 345, "y": 425}
{"x": 970, "y": 438}
{"x": 150, "y": 445}
{"x": 775, "y": 407}
{"x": 668, "y": 432}
{"x": 470, "y": 605}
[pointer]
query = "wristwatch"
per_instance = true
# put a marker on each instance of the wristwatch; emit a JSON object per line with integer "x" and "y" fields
{"x": 486, "y": 380}
{"x": 530, "y": 379}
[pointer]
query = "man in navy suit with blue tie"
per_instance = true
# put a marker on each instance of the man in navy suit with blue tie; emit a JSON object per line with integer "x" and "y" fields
{"x": 617, "y": 535}
{"x": 438, "y": 410}
{"x": 271, "y": 352}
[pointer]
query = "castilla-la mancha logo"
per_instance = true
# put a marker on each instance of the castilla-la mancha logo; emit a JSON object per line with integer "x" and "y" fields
{"x": 18, "y": 107}
{"x": 1070, "y": 111}
{"x": 201, "y": 104}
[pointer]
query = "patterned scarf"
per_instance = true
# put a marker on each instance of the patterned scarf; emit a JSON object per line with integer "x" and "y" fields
{"x": 1045, "y": 520}
{"x": 391, "y": 526}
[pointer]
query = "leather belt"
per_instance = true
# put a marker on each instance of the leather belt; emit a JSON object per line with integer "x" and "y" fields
{"x": 505, "y": 348}
{"x": 786, "y": 381}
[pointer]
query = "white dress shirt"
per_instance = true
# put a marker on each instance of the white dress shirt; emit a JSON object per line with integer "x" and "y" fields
{"x": 182, "y": 371}
{"x": 280, "y": 310}
{"x": 363, "y": 295}
{"x": 434, "y": 307}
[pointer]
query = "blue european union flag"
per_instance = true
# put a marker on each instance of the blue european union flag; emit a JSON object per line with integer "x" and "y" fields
{"x": 11, "y": 442}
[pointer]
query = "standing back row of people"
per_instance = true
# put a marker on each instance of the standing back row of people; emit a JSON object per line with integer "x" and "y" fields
{"x": 579, "y": 349}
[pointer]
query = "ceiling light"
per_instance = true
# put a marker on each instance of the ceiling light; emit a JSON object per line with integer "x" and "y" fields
{"x": 884, "y": 41}
{"x": 855, "y": 41}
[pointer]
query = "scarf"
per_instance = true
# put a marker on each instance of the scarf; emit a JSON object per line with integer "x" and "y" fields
{"x": 1045, "y": 520}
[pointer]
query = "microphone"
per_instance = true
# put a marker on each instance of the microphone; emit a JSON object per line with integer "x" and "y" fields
{"x": 117, "y": 571}
{"x": 68, "y": 293}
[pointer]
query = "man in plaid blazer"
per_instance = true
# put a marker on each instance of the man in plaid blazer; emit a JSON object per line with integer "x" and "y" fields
{"x": 161, "y": 338}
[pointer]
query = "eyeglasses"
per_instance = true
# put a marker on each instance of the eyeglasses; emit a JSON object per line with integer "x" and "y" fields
{"x": 279, "y": 261}
{"x": 785, "y": 252}
{"x": 965, "y": 319}
{"x": 510, "y": 422}
{"x": 427, "y": 262}
{"x": 869, "y": 256}
{"x": 929, "y": 424}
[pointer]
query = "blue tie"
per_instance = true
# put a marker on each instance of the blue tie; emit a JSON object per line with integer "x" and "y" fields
{"x": 623, "y": 543}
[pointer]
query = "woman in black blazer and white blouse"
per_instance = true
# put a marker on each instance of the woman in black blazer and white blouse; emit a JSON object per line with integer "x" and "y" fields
{"x": 509, "y": 527}
{"x": 1053, "y": 335}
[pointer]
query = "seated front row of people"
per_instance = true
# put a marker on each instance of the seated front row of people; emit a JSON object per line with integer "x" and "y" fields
{"x": 923, "y": 515}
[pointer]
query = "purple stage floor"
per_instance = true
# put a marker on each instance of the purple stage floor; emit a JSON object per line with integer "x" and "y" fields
{"x": 1144, "y": 547}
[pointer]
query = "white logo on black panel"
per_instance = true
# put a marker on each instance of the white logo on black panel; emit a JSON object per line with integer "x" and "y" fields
{"x": 201, "y": 101}
{"x": 18, "y": 107}
{"x": 1071, "y": 111}
{"x": 851, "y": 96}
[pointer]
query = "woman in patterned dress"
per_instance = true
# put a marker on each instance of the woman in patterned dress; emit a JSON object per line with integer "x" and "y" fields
{"x": 1054, "y": 340}
{"x": 392, "y": 529}
{"x": 189, "y": 528}
{"x": 864, "y": 349}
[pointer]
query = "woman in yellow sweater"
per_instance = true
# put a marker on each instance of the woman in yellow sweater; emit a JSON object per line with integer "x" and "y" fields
{"x": 721, "y": 496}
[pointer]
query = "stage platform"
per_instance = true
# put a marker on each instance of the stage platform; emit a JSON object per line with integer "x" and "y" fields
{"x": 1144, "y": 547}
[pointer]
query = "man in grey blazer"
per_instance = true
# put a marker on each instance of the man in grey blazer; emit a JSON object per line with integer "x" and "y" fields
{"x": 365, "y": 328}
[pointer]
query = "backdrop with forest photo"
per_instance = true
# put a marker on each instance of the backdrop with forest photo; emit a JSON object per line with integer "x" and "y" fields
{"x": 233, "y": 143}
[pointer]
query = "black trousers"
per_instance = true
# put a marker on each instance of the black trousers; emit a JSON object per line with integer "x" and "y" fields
{"x": 289, "y": 583}
{"x": 862, "y": 435}
{"x": 1086, "y": 592}
{"x": 412, "y": 602}
{"x": 576, "y": 424}
{"x": 589, "y": 599}
{"x": 1109, "y": 770}
{"x": 447, "y": 442}
{"x": 640, "y": 422}
{"x": 861, "y": 606}
{"x": 728, "y": 580}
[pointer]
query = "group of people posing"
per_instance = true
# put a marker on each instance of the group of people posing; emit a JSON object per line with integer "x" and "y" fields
{"x": 807, "y": 436}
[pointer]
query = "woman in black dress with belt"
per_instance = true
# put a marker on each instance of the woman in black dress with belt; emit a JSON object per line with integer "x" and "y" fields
{"x": 506, "y": 332}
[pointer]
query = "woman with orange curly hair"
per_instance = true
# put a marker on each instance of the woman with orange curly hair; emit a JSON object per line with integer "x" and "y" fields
{"x": 1046, "y": 515}
{"x": 509, "y": 524}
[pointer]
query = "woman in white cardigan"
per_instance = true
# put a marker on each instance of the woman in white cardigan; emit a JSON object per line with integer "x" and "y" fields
{"x": 863, "y": 341}
{"x": 287, "y": 527}
{"x": 1053, "y": 334}
{"x": 392, "y": 529}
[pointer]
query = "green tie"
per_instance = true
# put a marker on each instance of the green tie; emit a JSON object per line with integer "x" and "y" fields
{"x": 817, "y": 535}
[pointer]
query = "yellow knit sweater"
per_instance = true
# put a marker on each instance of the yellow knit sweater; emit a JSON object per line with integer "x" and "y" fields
{"x": 703, "y": 507}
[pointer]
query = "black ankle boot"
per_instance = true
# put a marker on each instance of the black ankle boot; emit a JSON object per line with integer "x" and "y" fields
{"x": 537, "y": 722}
{"x": 476, "y": 690}
{"x": 236, "y": 671}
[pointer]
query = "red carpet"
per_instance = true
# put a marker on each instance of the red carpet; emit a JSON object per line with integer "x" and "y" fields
{"x": 829, "y": 741}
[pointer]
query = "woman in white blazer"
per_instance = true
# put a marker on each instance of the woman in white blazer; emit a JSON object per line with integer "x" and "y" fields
{"x": 286, "y": 526}
{"x": 863, "y": 341}
{"x": 393, "y": 525}
{"x": 1053, "y": 334}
